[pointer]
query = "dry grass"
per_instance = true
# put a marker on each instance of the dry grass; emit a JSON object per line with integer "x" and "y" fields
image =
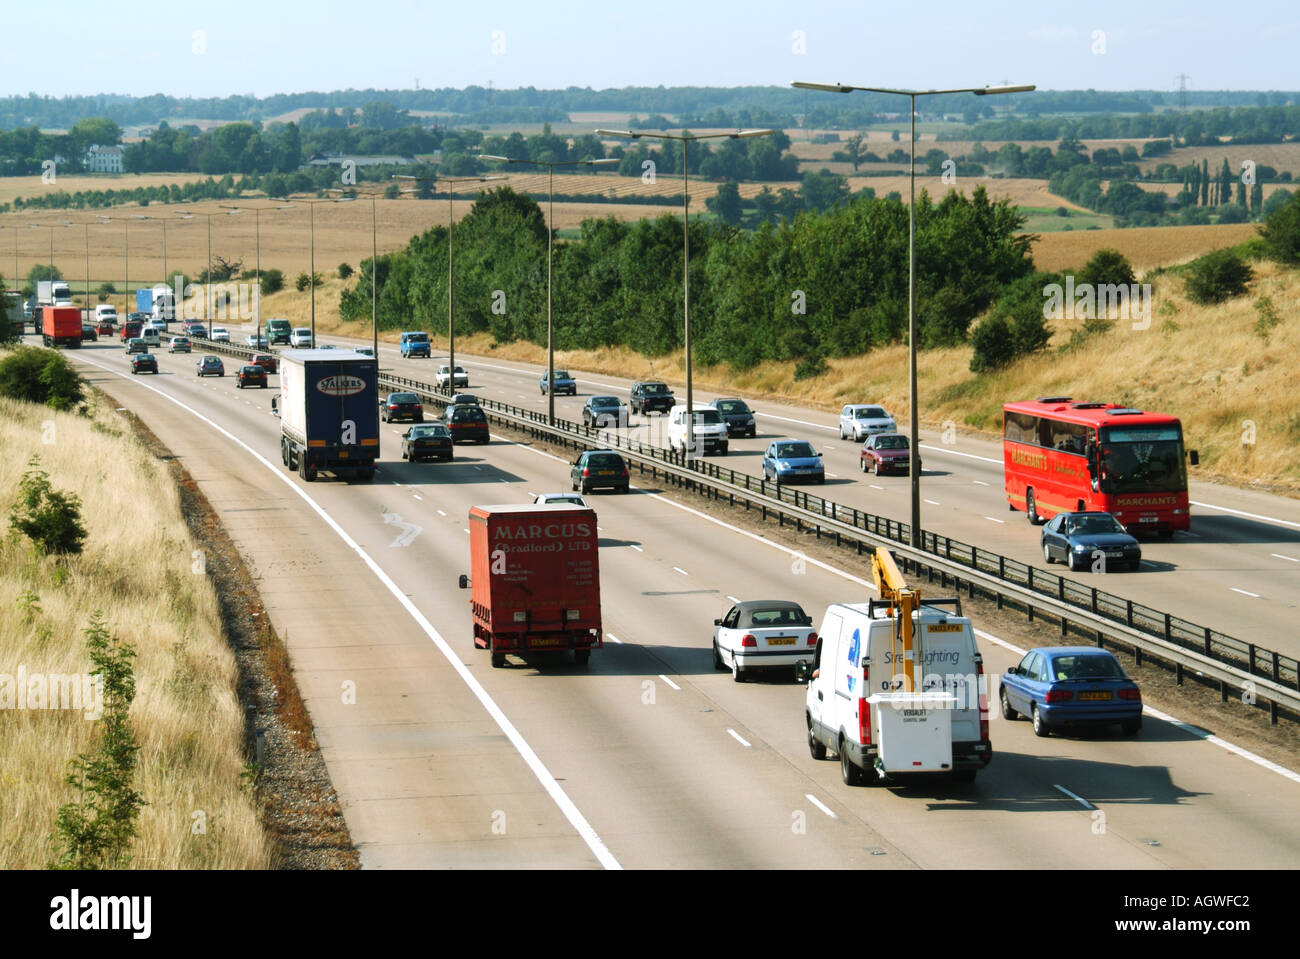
{"x": 1145, "y": 247}
{"x": 137, "y": 569}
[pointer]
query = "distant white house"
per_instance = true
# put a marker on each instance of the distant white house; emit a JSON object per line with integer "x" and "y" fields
{"x": 104, "y": 159}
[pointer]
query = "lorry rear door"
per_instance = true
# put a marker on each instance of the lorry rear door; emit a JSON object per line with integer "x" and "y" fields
{"x": 343, "y": 409}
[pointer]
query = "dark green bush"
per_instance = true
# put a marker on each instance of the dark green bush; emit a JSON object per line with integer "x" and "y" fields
{"x": 1217, "y": 276}
{"x": 49, "y": 518}
{"x": 40, "y": 376}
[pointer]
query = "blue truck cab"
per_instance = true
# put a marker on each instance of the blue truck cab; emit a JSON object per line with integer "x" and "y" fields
{"x": 415, "y": 343}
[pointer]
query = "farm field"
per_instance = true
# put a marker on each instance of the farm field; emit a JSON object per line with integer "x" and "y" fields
{"x": 12, "y": 187}
{"x": 1280, "y": 156}
{"x": 1145, "y": 247}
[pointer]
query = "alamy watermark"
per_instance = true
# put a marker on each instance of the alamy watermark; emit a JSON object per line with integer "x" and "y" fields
{"x": 1087, "y": 301}
{"x": 76, "y": 691}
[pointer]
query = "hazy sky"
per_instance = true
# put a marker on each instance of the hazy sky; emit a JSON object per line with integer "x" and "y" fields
{"x": 283, "y": 46}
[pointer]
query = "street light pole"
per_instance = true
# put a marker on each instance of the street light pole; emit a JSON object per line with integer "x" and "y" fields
{"x": 550, "y": 233}
{"x": 451, "y": 218}
{"x": 685, "y": 139}
{"x": 914, "y": 463}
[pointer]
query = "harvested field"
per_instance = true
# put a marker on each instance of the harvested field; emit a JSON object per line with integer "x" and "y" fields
{"x": 1145, "y": 247}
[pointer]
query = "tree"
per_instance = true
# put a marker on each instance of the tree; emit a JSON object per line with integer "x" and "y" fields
{"x": 726, "y": 203}
{"x": 1205, "y": 181}
{"x": 1107, "y": 267}
{"x": 823, "y": 190}
{"x": 1217, "y": 276}
{"x": 1281, "y": 230}
{"x": 855, "y": 151}
{"x": 345, "y": 270}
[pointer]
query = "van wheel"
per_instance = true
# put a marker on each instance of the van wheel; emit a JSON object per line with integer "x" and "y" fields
{"x": 851, "y": 774}
{"x": 816, "y": 747}
{"x": 1031, "y": 508}
{"x": 717, "y": 657}
{"x": 1040, "y": 727}
{"x": 1007, "y": 711}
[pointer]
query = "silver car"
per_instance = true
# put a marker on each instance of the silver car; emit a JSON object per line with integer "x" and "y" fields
{"x": 860, "y": 420}
{"x": 178, "y": 344}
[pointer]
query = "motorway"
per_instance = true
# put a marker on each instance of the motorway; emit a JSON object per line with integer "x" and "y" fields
{"x": 648, "y": 758}
{"x": 1237, "y": 570}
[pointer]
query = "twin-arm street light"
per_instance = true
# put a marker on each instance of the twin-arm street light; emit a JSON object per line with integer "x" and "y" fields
{"x": 257, "y": 233}
{"x": 374, "y": 270}
{"x": 685, "y": 139}
{"x": 914, "y": 465}
{"x": 451, "y": 182}
{"x": 550, "y": 233}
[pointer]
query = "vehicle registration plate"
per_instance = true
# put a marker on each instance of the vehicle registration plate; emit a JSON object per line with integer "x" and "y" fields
{"x": 1115, "y": 554}
{"x": 1148, "y": 519}
{"x": 1093, "y": 697}
{"x": 604, "y": 472}
{"x": 781, "y": 641}
{"x": 343, "y": 454}
{"x": 537, "y": 643}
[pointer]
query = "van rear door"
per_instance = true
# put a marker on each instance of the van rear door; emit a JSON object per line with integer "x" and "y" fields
{"x": 948, "y": 665}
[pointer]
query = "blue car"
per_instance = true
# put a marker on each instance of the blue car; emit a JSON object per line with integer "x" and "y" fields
{"x": 564, "y": 383}
{"x": 1090, "y": 541}
{"x": 793, "y": 461}
{"x": 1060, "y": 686}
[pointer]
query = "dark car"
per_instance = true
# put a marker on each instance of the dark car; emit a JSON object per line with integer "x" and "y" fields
{"x": 602, "y": 412}
{"x": 467, "y": 423}
{"x": 143, "y": 363}
{"x": 564, "y": 383}
{"x": 651, "y": 397}
{"x": 267, "y": 361}
{"x": 88, "y": 333}
{"x": 250, "y": 374}
{"x": 597, "y": 469}
{"x": 401, "y": 406}
{"x": 1094, "y": 541}
{"x": 211, "y": 366}
{"x": 1059, "y": 686}
{"x": 789, "y": 461}
{"x": 738, "y": 417}
{"x": 886, "y": 453}
{"x": 196, "y": 331}
{"x": 426, "y": 441}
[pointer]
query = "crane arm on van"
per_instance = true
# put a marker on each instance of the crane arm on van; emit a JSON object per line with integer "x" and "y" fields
{"x": 904, "y": 603}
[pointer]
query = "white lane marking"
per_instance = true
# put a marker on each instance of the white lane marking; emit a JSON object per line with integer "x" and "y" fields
{"x": 441, "y": 513}
{"x": 417, "y": 496}
{"x": 548, "y": 781}
{"x": 682, "y": 571}
{"x": 1246, "y": 754}
{"x": 1079, "y": 799}
{"x": 1244, "y": 592}
{"x": 600, "y": 529}
{"x": 828, "y": 447}
{"x": 1290, "y": 559}
{"x": 995, "y": 640}
{"x": 613, "y": 639}
{"x": 833, "y": 475}
{"x": 994, "y": 519}
{"x": 637, "y": 548}
{"x": 874, "y": 486}
{"x": 478, "y": 467}
{"x": 733, "y": 599}
{"x": 409, "y": 530}
{"x": 979, "y": 483}
{"x": 1187, "y": 532}
{"x": 1238, "y": 512}
{"x": 670, "y": 682}
{"x": 948, "y": 449}
{"x": 813, "y": 799}
{"x": 787, "y": 419}
{"x": 933, "y": 503}
{"x": 466, "y": 532}
{"x": 736, "y": 736}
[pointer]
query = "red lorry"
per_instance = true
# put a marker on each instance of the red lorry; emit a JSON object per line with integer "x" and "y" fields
{"x": 61, "y": 326}
{"x": 535, "y": 576}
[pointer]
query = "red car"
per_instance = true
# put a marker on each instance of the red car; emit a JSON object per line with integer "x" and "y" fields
{"x": 266, "y": 361}
{"x": 886, "y": 453}
{"x": 105, "y": 327}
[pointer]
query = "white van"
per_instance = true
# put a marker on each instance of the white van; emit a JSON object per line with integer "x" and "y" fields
{"x": 710, "y": 432}
{"x": 105, "y": 311}
{"x": 857, "y": 706}
{"x": 152, "y": 335}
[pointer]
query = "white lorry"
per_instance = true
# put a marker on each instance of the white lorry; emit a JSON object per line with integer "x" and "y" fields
{"x": 897, "y": 687}
{"x": 53, "y": 293}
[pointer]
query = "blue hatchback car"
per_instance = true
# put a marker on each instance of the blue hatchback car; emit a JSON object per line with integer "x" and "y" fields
{"x": 564, "y": 383}
{"x": 793, "y": 461}
{"x": 1059, "y": 686}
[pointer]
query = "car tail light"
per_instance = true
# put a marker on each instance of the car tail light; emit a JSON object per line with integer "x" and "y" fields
{"x": 1058, "y": 696}
{"x": 748, "y": 640}
{"x": 392, "y": 406}
{"x": 864, "y": 722}
{"x": 812, "y": 639}
{"x": 586, "y": 471}
{"x": 418, "y": 406}
{"x": 984, "y": 699}
{"x": 1131, "y": 694}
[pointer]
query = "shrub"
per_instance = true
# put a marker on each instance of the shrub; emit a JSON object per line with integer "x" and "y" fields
{"x": 304, "y": 281}
{"x": 1268, "y": 317}
{"x": 992, "y": 342}
{"x": 272, "y": 281}
{"x": 1106, "y": 267}
{"x": 1217, "y": 276}
{"x": 810, "y": 367}
{"x": 105, "y": 290}
{"x": 49, "y": 518}
{"x": 40, "y": 376}
{"x": 345, "y": 270}
{"x": 1281, "y": 232}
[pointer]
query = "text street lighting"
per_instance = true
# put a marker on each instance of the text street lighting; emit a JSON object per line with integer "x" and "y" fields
{"x": 685, "y": 139}
{"x": 451, "y": 182}
{"x": 550, "y": 231}
{"x": 914, "y": 464}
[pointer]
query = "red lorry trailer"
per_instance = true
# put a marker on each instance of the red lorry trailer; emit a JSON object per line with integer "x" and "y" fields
{"x": 61, "y": 326}
{"x": 535, "y": 576}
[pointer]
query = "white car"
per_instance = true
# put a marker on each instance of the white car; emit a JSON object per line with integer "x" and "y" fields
{"x": 860, "y": 420}
{"x": 300, "y": 338}
{"x": 256, "y": 341}
{"x": 761, "y": 634}
{"x": 220, "y": 334}
{"x": 567, "y": 499}
{"x": 178, "y": 344}
{"x": 444, "y": 377}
